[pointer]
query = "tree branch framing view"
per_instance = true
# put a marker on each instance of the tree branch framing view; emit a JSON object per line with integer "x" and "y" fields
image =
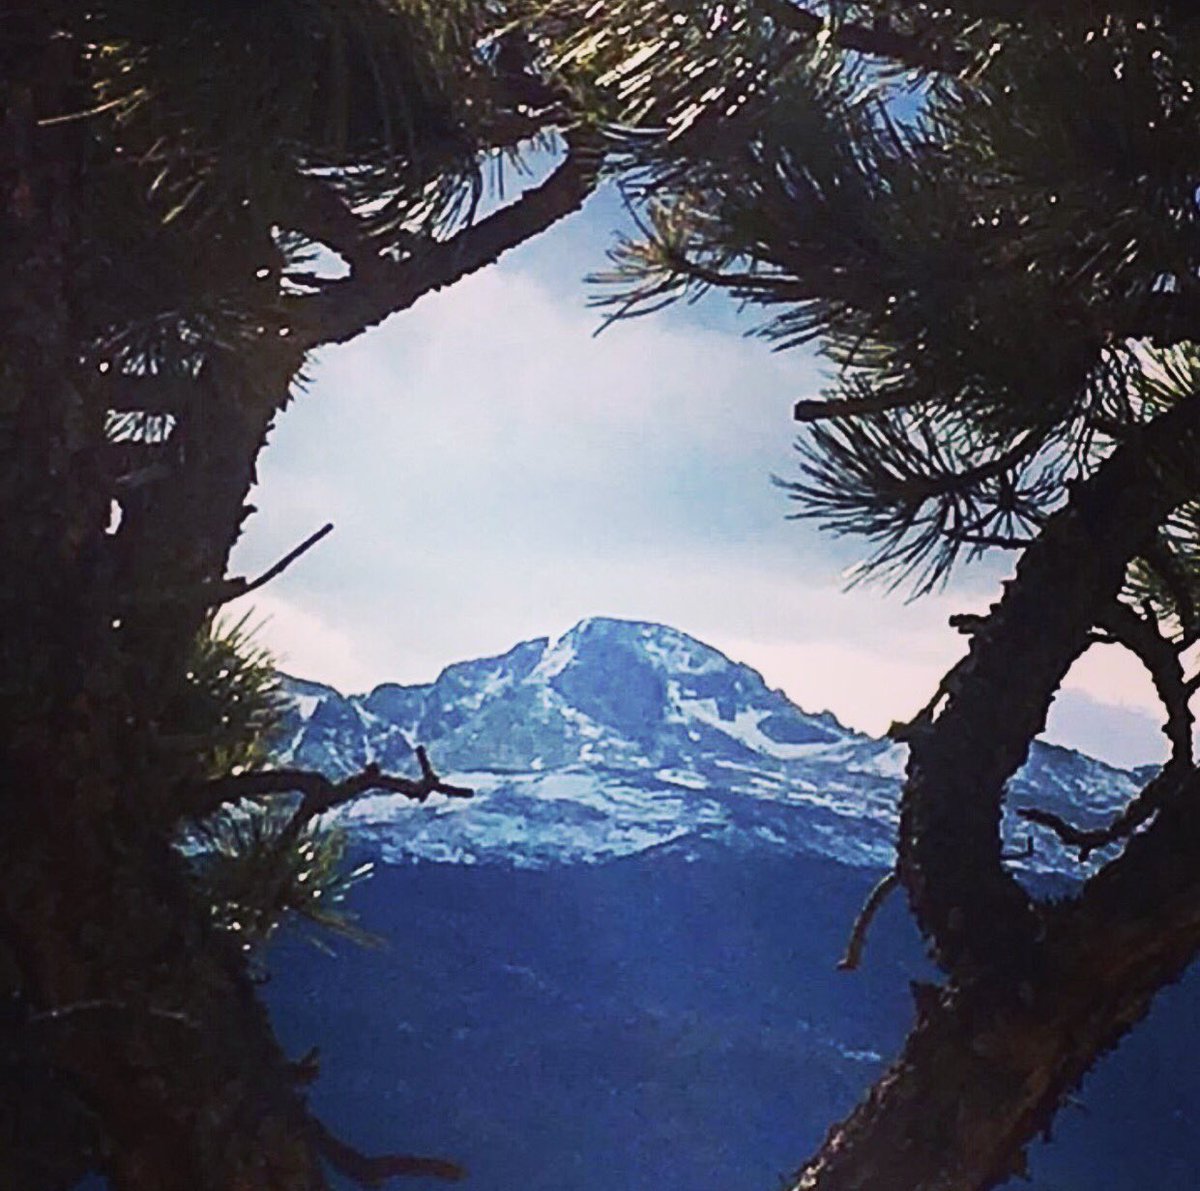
{"x": 982, "y": 213}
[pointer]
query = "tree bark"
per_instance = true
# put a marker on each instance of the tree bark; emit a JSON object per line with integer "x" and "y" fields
{"x": 135, "y": 996}
{"x": 133, "y": 1014}
{"x": 986, "y": 1068}
{"x": 995, "y": 701}
{"x": 112, "y": 974}
{"x": 1037, "y": 993}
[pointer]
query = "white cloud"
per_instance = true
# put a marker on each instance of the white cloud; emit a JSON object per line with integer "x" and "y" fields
{"x": 1113, "y": 675}
{"x": 496, "y": 472}
{"x": 305, "y": 644}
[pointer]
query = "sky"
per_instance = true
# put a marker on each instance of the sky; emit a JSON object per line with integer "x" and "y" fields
{"x": 496, "y": 470}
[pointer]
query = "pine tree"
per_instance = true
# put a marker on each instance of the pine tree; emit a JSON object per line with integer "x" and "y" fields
{"x": 172, "y": 176}
{"x": 984, "y": 213}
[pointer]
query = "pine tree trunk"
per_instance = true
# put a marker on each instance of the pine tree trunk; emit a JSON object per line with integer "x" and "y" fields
{"x": 157, "y": 1049}
{"x": 136, "y": 998}
{"x": 986, "y": 1067}
{"x": 1036, "y": 993}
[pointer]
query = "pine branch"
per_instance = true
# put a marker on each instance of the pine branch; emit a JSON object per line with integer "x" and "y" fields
{"x": 879, "y": 40}
{"x": 349, "y": 307}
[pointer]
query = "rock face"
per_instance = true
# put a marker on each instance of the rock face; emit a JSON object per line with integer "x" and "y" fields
{"x": 621, "y": 737}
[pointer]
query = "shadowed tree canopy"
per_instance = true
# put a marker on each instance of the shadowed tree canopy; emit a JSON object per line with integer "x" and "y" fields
{"x": 193, "y": 197}
{"x": 985, "y": 214}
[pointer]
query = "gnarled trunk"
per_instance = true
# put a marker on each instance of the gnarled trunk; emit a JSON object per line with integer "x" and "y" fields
{"x": 153, "y": 1041}
{"x": 1036, "y": 993}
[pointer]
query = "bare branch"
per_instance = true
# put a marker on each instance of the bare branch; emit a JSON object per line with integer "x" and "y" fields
{"x": 862, "y": 924}
{"x": 349, "y": 307}
{"x": 214, "y": 594}
{"x": 233, "y": 588}
{"x": 319, "y": 793}
{"x": 367, "y": 1171}
{"x": 809, "y": 410}
{"x": 1154, "y": 796}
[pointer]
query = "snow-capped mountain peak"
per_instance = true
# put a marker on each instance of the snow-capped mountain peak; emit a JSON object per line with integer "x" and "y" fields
{"x": 623, "y": 736}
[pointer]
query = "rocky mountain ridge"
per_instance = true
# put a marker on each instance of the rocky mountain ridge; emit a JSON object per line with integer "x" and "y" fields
{"x": 623, "y": 736}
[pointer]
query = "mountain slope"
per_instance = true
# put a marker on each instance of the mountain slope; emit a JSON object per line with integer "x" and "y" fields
{"x": 623, "y": 736}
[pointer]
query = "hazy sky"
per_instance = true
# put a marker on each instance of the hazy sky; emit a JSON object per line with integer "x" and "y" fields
{"x": 496, "y": 471}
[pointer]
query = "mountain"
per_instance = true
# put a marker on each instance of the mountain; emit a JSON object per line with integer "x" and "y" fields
{"x": 621, "y": 737}
{"x": 615, "y": 966}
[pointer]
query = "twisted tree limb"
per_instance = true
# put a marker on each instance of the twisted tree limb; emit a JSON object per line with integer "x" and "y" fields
{"x": 985, "y": 1070}
{"x": 346, "y": 308}
{"x": 1036, "y": 993}
{"x": 995, "y": 701}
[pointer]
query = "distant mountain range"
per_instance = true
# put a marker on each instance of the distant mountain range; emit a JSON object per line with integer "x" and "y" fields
{"x": 623, "y": 736}
{"x": 615, "y": 966}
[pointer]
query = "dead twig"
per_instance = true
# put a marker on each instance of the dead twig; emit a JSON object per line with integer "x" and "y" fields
{"x": 232, "y": 589}
{"x": 368, "y": 1171}
{"x": 862, "y": 924}
{"x": 319, "y": 793}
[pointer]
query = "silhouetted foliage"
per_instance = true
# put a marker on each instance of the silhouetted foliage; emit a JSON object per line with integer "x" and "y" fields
{"x": 984, "y": 214}
{"x": 175, "y": 180}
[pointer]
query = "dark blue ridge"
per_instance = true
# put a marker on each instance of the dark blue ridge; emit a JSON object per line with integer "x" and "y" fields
{"x": 661, "y": 1023}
